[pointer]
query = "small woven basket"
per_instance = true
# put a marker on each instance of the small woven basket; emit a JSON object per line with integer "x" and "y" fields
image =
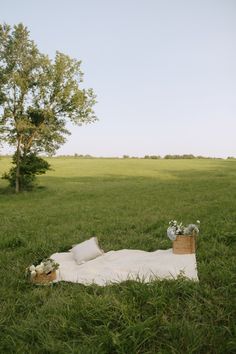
{"x": 184, "y": 244}
{"x": 44, "y": 278}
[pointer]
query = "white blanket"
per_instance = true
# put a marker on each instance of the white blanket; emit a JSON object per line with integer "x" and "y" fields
{"x": 118, "y": 266}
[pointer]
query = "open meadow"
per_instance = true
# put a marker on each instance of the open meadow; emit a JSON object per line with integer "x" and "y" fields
{"x": 126, "y": 203}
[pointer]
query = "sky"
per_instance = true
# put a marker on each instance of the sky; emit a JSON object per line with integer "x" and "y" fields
{"x": 164, "y": 71}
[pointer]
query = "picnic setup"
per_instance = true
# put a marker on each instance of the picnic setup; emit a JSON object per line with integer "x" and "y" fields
{"x": 86, "y": 263}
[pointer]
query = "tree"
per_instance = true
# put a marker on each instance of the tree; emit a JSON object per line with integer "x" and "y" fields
{"x": 38, "y": 96}
{"x": 30, "y": 166}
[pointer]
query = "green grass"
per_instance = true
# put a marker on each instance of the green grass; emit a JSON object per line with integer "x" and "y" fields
{"x": 126, "y": 204}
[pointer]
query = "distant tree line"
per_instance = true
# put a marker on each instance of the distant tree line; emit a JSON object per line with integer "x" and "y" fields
{"x": 174, "y": 157}
{"x": 155, "y": 157}
{"x": 152, "y": 157}
{"x": 185, "y": 156}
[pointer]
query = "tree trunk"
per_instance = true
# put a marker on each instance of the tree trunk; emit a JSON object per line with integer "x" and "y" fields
{"x": 17, "y": 189}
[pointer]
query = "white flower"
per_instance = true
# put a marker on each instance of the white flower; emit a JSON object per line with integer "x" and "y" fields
{"x": 198, "y": 221}
{"x": 40, "y": 268}
{"x": 32, "y": 268}
{"x": 48, "y": 268}
{"x": 171, "y": 233}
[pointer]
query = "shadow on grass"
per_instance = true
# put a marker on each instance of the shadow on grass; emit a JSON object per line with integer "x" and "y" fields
{"x": 11, "y": 191}
{"x": 95, "y": 186}
{"x": 169, "y": 178}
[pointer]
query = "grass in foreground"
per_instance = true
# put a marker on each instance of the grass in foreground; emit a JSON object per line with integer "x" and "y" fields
{"x": 126, "y": 204}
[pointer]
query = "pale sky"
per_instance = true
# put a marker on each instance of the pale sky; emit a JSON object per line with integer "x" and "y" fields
{"x": 164, "y": 71}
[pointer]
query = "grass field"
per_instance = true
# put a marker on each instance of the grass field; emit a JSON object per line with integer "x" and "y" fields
{"x": 126, "y": 204}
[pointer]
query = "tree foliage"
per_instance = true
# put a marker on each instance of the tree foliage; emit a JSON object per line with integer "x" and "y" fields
{"x": 31, "y": 165}
{"x": 37, "y": 97}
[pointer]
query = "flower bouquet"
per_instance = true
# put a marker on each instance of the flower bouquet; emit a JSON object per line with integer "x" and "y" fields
{"x": 43, "y": 273}
{"x": 183, "y": 237}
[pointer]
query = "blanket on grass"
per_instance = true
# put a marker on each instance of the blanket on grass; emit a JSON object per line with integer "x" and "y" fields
{"x": 122, "y": 265}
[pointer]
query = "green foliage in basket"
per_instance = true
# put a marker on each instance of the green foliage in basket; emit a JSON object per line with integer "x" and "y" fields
{"x": 45, "y": 267}
{"x": 176, "y": 228}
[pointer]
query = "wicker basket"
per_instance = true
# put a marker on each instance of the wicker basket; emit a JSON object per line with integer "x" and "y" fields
{"x": 44, "y": 278}
{"x": 184, "y": 244}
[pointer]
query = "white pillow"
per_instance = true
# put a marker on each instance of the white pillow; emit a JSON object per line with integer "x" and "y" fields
{"x": 86, "y": 250}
